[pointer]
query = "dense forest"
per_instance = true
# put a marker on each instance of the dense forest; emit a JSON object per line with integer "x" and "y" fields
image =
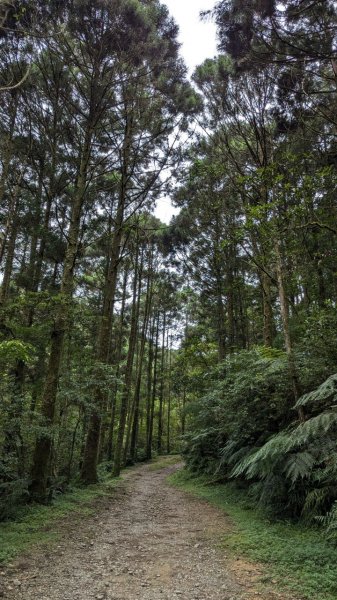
{"x": 122, "y": 337}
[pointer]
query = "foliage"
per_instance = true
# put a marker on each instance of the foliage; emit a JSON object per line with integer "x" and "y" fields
{"x": 299, "y": 558}
{"x": 246, "y": 429}
{"x": 14, "y": 350}
{"x": 120, "y": 334}
{"x": 30, "y": 528}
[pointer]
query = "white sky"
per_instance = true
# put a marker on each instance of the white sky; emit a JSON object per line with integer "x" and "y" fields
{"x": 198, "y": 38}
{"x": 198, "y": 41}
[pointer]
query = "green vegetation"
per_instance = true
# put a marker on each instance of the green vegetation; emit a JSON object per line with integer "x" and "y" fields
{"x": 121, "y": 335}
{"x": 37, "y": 524}
{"x": 94, "y": 100}
{"x": 163, "y": 462}
{"x": 298, "y": 558}
{"x": 247, "y": 428}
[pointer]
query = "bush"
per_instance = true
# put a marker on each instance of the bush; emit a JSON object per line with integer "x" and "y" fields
{"x": 247, "y": 429}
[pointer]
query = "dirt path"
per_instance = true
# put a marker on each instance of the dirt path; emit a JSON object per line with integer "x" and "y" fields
{"x": 150, "y": 542}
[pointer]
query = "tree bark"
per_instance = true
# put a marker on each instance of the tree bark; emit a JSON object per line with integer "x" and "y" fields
{"x": 128, "y": 378}
{"x": 153, "y": 395}
{"x": 168, "y": 438}
{"x": 286, "y": 329}
{"x": 149, "y": 388}
{"x": 268, "y": 326}
{"x": 135, "y": 424}
{"x": 161, "y": 391}
{"x": 5, "y": 285}
{"x": 131, "y": 405}
{"x": 90, "y": 459}
{"x": 44, "y": 442}
{"x": 117, "y": 361}
{"x": 6, "y": 161}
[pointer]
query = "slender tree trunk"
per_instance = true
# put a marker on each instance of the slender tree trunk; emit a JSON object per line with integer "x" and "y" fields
{"x": 183, "y": 412}
{"x": 43, "y": 447}
{"x": 90, "y": 459}
{"x": 286, "y": 329}
{"x": 117, "y": 361}
{"x": 7, "y": 276}
{"x": 268, "y": 326}
{"x": 149, "y": 389}
{"x": 153, "y": 394}
{"x": 135, "y": 424}
{"x": 221, "y": 325}
{"x": 128, "y": 378}
{"x": 132, "y": 406}
{"x": 168, "y": 439}
{"x": 161, "y": 391}
{"x": 230, "y": 309}
{"x": 6, "y": 161}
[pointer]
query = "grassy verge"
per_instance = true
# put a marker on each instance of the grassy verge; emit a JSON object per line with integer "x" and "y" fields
{"x": 298, "y": 558}
{"x": 35, "y": 524}
{"x": 164, "y": 461}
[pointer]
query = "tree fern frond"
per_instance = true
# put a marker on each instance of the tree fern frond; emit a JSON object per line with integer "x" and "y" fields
{"x": 329, "y": 521}
{"x": 299, "y": 466}
{"x": 240, "y": 454}
{"x": 260, "y": 462}
{"x": 316, "y": 500}
{"x": 325, "y": 392}
{"x": 315, "y": 427}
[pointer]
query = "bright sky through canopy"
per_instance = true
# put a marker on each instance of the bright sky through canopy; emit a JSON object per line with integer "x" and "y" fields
{"x": 198, "y": 39}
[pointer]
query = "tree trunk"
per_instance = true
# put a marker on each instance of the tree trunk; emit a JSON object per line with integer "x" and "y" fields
{"x": 132, "y": 407}
{"x": 168, "y": 439}
{"x": 6, "y": 161}
{"x": 149, "y": 390}
{"x": 117, "y": 361}
{"x": 4, "y": 291}
{"x": 44, "y": 442}
{"x": 221, "y": 327}
{"x": 153, "y": 396}
{"x": 90, "y": 459}
{"x": 268, "y": 326}
{"x": 286, "y": 330}
{"x": 135, "y": 424}
{"x": 128, "y": 378}
{"x": 161, "y": 392}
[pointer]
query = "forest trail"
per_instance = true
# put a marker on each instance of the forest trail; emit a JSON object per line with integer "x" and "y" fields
{"x": 148, "y": 542}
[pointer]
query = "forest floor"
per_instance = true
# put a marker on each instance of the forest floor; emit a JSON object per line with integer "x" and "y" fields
{"x": 147, "y": 541}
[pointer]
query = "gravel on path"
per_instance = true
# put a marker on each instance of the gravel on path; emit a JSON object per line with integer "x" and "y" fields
{"x": 150, "y": 541}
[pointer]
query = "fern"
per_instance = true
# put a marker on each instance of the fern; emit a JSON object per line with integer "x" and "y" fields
{"x": 299, "y": 466}
{"x": 329, "y": 521}
{"x": 316, "y": 427}
{"x": 317, "y": 501}
{"x": 244, "y": 429}
{"x": 260, "y": 462}
{"x": 327, "y": 392}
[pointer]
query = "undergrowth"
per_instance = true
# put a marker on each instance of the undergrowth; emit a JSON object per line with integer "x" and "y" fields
{"x": 297, "y": 557}
{"x": 36, "y": 524}
{"x": 163, "y": 462}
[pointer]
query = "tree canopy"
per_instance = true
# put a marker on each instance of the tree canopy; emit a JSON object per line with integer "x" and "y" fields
{"x": 121, "y": 336}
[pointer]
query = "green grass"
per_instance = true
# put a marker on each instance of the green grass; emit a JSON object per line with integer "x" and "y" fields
{"x": 164, "y": 461}
{"x": 298, "y": 558}
{"x": 36, "y": 524}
